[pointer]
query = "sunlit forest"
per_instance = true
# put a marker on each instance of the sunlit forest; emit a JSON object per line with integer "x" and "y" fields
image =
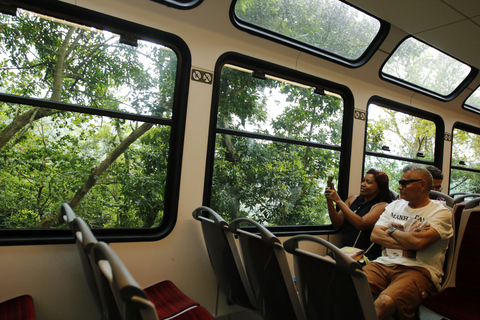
{"x": 276, "y": 141}
{"x": 109, "y": 168}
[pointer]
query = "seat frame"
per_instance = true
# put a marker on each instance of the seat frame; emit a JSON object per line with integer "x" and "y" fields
{"x": 340, "y": 273}
{"x": 268, "y": 272}
{"x": 132, "y": 302}
{"x": 454, "y": 295}
{"x": 85, "y": 241}
{"x": 225, "y": 258}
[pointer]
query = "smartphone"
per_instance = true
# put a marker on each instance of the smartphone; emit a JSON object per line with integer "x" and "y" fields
{"x": 329, "y": 181}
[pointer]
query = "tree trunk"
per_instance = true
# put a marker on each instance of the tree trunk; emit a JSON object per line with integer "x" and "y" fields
{"x": 102, "y": 167}
{"x": 22, "y": 121}
{"x": 36, "y": 113}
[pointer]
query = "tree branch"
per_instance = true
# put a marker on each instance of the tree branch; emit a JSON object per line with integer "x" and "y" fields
{"x": 102, "y": 167}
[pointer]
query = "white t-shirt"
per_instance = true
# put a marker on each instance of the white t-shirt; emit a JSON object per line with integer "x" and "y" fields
{"x": 432, "y": 258}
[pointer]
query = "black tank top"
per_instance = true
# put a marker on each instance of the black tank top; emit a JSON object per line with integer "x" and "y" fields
{"x": 360, "y": 207}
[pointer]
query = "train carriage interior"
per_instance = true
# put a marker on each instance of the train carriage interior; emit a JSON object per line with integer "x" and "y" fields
{"x": 121, "y": 118}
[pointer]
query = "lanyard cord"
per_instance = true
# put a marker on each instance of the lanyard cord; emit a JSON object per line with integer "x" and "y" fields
{"x": 357, "y": 240}
{"x": 358, "y": 236}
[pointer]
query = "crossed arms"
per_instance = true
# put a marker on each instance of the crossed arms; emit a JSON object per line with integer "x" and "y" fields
{"x": 405, "y": 240}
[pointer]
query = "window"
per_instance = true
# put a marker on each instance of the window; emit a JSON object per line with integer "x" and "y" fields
{"x": 398, "y": 135}
{"x": 180, "y": 4}
{"x": 465, "y": 165}
{"x": 330, "y": 28}
{"x": 276, "y": 140}
{"x": 473, "y": 101}
{"x": 422, "y": 67}
{"x": 87, "y": 119}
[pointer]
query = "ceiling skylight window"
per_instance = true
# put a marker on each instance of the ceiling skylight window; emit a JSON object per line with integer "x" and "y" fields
{"x": 330, "y": 28}
{"x": 426, "y": 69}
{"x": 473, "y": 101}
{"x": 180, "y": 4}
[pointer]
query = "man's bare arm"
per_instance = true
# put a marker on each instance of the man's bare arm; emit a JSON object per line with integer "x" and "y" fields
{"x": 416, "y": 240}
{"x": 380, "y": 236}
{"x": 404, "y": 240}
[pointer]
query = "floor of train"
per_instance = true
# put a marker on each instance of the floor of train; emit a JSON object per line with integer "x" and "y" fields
{"x": 428, "y": 315}
{"x": 424, "y": 315}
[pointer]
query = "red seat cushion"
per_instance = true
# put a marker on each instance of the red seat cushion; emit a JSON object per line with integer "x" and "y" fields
{"x": 196, "y": 313}
{"x": 168, "y": 299}
{"x": 19, "y": 308}
{"x": 455, "y": 303}
{"x": 462, "y": 301}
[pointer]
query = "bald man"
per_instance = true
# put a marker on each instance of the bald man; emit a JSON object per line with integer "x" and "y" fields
{"x": 413, "y": 233}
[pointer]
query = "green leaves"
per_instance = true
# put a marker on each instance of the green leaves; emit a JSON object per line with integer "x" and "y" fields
{"x": 329, "y": 25}
{"x": 275, "y": 183}
{"x": 465, "y": 148}
{"x": 114, "y": 169}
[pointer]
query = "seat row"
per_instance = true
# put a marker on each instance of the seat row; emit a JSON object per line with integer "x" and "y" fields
{"x": 116, "y": 293}
{"x": 251, "y": 268}
{"x": 459, "y": 298}
{"x": 18, "y": 308}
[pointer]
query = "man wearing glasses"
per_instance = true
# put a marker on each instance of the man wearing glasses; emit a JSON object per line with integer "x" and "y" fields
{"x": 437, "y": 176}
{"x": 414, "y": 233}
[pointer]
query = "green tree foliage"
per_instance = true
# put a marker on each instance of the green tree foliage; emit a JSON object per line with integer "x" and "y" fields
{"x": 406, "y": 135}
{"x": 274, "y": 183}
{"x": 111, "y": 170}
{"x": 465, "y": 156}
{"x": 425, "y": 66}
{"x": 330, "y": 25}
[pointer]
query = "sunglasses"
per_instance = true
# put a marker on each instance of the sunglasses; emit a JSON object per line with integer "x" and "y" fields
{"x": 405, "y": 183}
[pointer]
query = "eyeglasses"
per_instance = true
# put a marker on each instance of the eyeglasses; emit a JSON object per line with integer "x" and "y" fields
{"x": 405, "y": 183}
{"x": 437, "y": 188}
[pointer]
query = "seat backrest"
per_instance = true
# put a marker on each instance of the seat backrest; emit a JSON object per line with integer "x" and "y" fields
{"x": 330, "y": 289}
{"x": 457, "y": 216}
{"x": 394, "y": 195}
{"x": 67, "y": 213}
{"x": 20, "y": 307}
{"x": 459, "y": 205}
{"x": 466, "y": 197}
{"x": 468, "y": 260}
{"x": 456, "y": 194}
{"x": 225, "y": 258}
{"x": 85, "y": 240}
{"x": 448, "y": 201}
{"x": 268, "y": 272}
{"x": 132, "y": 302}
{"x": 448, "y": 265}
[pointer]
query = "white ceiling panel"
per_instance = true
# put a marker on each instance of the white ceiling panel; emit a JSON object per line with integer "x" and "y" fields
{"x": 454, "y": 40}
{"x": 476, "y": 20}
{"x": 412, "y": 15}
{"x": 469, "y": 8}
{"x": 450, "y": 25}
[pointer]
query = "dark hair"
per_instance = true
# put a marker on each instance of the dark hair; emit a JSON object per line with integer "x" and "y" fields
{"x": 436, "y": 173}
{"x": 381, "y": 178}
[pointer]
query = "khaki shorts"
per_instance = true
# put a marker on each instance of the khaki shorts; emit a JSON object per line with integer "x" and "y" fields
{"x": 407, "y": 286}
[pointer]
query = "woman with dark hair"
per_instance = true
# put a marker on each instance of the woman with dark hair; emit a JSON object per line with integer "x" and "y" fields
{"x": 359, "y": 213}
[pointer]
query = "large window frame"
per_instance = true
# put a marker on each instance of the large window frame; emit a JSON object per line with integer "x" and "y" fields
{"x": 133, "y": 31}
{"x": 417, "y": 88}
{"x": 180, "y": 4}
{"x": 273, "y": 70}
{"x": 396, "y": 106}
{"x": 305, "y": 47}
{"x": 461, "y": 167}
{"x": 472, "y": 102}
